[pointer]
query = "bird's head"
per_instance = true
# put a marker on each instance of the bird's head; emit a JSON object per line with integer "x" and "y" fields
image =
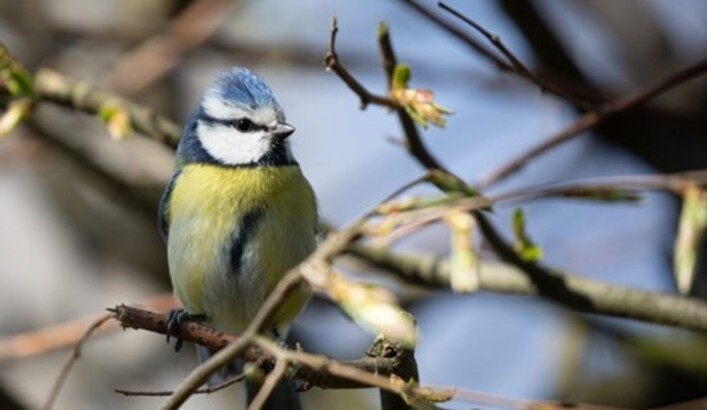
{"x": 238, "y": 122}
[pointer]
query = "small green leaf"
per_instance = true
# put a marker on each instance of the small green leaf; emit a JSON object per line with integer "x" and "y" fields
{"x": 117, "y": 120}
{"x": 401, "y": 76}
{"x": 16, "y": 111}
{"x": 604, "y": 194}
{"x": 690, "y": 236}
{"x": 14, "y": 77}
{"x": 527, "y": 249}
{"x": 451, "y": 182}
{"x": 418, "y": 103}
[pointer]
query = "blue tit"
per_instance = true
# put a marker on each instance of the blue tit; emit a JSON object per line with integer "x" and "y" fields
{"x": 238, "y": 213}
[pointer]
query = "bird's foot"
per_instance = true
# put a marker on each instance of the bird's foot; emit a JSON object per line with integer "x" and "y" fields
{"x": 175, "y": 319}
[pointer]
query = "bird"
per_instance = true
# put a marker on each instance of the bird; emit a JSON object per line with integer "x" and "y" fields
{"x": 237, "y": 214}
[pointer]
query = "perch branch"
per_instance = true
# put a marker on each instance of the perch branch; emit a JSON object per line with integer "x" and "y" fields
{"x": 316, "y": 370}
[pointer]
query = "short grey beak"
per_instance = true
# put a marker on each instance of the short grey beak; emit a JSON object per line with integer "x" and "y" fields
{"x": 283, "y": 130}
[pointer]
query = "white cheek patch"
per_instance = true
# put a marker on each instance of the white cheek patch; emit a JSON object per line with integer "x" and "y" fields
{"x": 231, "y": 147}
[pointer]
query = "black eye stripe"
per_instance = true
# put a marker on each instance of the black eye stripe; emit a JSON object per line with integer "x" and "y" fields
{"x": 241, "y": 124}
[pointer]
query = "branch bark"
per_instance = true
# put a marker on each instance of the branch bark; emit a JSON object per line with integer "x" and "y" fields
{"x": 383, "y": 359}
{"x": 55, "y": 88}
{"x": 593, "y": 118}
{"x": 604, "y": 299}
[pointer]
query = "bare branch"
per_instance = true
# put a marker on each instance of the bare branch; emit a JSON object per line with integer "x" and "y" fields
{"x": 518, "y": 66}
{"x": 487, "y": 53}
{"x": 594, "y": 118}
{"x": 331, "y": 62}
{"x": 156, "y": 393}
{"x": 269, "y": 384}
{"x": 73, "y": 357}
{"x": 66, "y": 334}
{"x": 394, "y": 359}
{"x": 604, "y": 298}
{"x": 413, "y": 140}
{"x": 55, "y": 88}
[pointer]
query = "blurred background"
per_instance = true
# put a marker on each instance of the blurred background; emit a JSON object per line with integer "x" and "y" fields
{"x": 77, "y": 210}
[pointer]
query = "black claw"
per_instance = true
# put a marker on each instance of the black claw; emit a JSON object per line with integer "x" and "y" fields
{"x": 175, "y": 319}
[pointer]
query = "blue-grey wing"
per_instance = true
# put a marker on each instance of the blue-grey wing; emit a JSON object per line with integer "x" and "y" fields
{"x": 163, "y": 210}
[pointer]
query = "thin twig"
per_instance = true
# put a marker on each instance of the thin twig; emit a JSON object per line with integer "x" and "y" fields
{"x": 331, "y": 62}
{"x": 461, "y": 35}
{"x": 407, "y": 389}
{"x": 608, "y": 189}
{"x": 269, "y": 384}
{"x": 485, "y": 52}
{"x": 156, "y": 393}
{"x": 405, "y": 187}
{"x": 387, "y": 55}
{"x": 495, "y": 401}
{"x": 519, "y": 67}
{"x": 594, "y": 118}
{"x": 66, "y": 334}
{"x": 72, "y": 359}
{"x": 413, "y": 139}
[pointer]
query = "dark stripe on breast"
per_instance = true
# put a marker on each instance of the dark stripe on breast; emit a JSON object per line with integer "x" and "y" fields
{"x": 245, "y": 230}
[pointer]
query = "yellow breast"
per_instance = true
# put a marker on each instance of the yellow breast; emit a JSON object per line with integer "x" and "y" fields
{"x": 206, "y": 207}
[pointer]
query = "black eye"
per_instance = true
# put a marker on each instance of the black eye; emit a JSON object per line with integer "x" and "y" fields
{"x": 244, "y": 125}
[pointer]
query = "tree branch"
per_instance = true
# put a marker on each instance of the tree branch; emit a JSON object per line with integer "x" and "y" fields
{"x": 55, "y": 88}
{"x": 73, "y": 357}
{"x": 594, "y": 118}
{"x": 487, "y": 53}
{"x": 331, "y": 62}
{"x": 518, "y": 66}
{"x": 413, "y": 139}
{"x": 602, "y": 298}
{"x": 594, "y": 297}
{"x": 384, "y": 359}
{"x": 49, "y": 339}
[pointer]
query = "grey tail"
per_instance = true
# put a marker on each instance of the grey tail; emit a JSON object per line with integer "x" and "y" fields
{"x": 283, "y": 397}
{"x": 222, "y": 375}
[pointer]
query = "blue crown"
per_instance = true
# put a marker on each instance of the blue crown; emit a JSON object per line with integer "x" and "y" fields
{"x": 243, "y": 87}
